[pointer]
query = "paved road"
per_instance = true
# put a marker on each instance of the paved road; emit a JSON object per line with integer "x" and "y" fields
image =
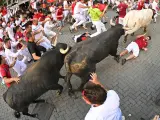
{"x": 137, "y": 83}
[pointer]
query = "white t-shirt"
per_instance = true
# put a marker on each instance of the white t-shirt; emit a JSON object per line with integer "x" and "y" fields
{"x": 1, "y": 33}
{"x": 65, "y": 3}
{"x": 10, "y": 55}
{"x": 77, "y": 9}
{"x": 154, "y": 5}
{"x": 109, "y": 110}
{"x": 35, "y": 28}
{"x": 10, "y": 31}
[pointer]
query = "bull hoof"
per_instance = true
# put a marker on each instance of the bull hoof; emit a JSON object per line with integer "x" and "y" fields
{"x": 117, "y": 59}
{"x": 72, "y": 94}
{"x": 59, "y": 92}
{"x": 17, "y": 114}
{"x": 35, "y": 115}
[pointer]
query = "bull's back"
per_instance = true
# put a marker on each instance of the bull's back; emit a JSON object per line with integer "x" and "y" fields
{"x": 91, "y": 51}
{"x": 138, "y": 17}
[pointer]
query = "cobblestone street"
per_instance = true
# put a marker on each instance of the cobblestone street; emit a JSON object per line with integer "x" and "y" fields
{"x": 137, "y": 82}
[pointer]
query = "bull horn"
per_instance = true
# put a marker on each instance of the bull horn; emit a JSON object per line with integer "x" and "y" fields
{"x": 111, "y": 23}
{"x": 62, "y": 51}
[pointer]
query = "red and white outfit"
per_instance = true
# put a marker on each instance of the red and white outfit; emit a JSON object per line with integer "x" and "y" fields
{"x": 122, "y": 7}
{"x": 80, "y": 19}
{"x": 4, "y": 72}
{"x": 19, "y": 66}
{"x": 137, "y": 45}
{"x": 25, "y": 53}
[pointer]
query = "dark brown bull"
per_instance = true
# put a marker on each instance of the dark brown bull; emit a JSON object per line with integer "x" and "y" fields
{"x": 83, "y": 57}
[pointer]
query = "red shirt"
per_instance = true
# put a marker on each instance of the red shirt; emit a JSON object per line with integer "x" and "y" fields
{"x": 142, "y": 43}
{"x": 72, "y": 6}
{"x": 25, "y": 35}
{"x": 59, "y": 12}
{"x": 18, "y": 35}
{"x": 122, "y": 9}
{"x": 140, "y": 5}
{"x": 4, "y": 71}
{"x": 101, "y": 7}
{"x": 4, "y": 11}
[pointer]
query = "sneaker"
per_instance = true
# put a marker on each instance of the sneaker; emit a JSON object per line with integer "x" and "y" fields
{"x": 105, "y": 23}
{"x": 124, "y": 61}
{"x": 70, "y": 29}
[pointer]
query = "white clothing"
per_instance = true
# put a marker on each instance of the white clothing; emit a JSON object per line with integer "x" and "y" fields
{"x": 48, "y": 29}
{"x": 120, "y": 20}
{"x": 90, "y": 4}
{"x": 99, "y": 26}
{"x": 1, "y": 33}
{"x": 20, "y": 67}
{"x": 36, "y": 28}
{"x": 65, "y": 4}
{"x": 77, "y": 9}
{"x": 154, "y": 5}
{"x": 109, "y": 110}
{"x": 18, "y": 22}
{"x": 133, "y": 46}
{"x": 10, "y": 32}
{"x": 3, "y": 24}
{"x": 26, "y": 55}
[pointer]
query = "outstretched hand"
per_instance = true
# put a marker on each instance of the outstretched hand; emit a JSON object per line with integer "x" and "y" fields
{"x": 156, "y": 117}
{"x": 94, "y": 77}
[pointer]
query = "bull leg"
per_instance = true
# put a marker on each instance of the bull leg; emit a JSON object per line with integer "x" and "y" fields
{"x": 17, "y": 114}
{"x": 57, "y": 87}
{"x": 25, "y": 112}
{"x": 114, "y": 53}
{"x": 86, "y": 78}
{"x": 68, "y": 78}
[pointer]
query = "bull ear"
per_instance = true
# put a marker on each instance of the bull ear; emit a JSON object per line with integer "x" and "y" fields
{"x": 62, "y": 51}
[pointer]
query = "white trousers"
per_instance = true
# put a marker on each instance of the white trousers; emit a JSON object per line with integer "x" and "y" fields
{"x": 20, "y": 67}
{"x": 120, "y": 20}
{"x": 99, "y": 26}
{"x": 80, "y": 19}
{"x": 46, "y": 43}
{"x": 26, "y": 55}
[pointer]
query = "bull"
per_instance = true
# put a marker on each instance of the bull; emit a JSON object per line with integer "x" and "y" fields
{"x": 38, "y": 79}
{"x": 136, "y": 19}
{"x": 83, "y": 57}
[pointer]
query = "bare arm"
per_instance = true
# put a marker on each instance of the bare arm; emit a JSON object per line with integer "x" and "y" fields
{"x": 35, "y": 57}
{"x": 10, "y": 80}
{"x": 138, "y": 36}
{"x": 13, "y": 63}
{"x": 83, "y": 6}
{"x": 95, "y": 79}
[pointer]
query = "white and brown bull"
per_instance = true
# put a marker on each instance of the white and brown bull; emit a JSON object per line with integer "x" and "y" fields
{"x": 136, "y": 19}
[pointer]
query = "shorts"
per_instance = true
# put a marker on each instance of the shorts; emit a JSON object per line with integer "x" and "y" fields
{"x": 134, "y": 48}
{"x": 60, "y": 23}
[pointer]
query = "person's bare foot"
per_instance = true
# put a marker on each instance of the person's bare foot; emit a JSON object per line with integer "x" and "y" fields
{"x": 75, "y": 28}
